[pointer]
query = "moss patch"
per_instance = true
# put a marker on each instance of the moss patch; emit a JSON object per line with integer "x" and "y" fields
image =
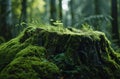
{"x": 30, "y": 68}
{"x": 59, "y": 53}
{"x": 26, "y": 62}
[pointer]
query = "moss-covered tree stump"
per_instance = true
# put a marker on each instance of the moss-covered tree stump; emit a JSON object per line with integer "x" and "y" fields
{"x": 57, "y": 53}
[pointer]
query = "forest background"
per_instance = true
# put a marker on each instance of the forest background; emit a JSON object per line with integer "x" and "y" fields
{"x": 101, "y": 15}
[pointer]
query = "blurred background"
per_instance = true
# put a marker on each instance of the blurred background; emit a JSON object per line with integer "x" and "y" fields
{"x": 100, "y": 15}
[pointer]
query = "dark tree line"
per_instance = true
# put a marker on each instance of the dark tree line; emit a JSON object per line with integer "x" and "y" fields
{"x": 5, "y": 19}
{"x": 115, "y": 28}
{"x": 97, "y": 11}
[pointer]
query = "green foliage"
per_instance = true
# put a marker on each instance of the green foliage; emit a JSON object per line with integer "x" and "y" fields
{"x": 86, "y": 27}
{"x": 97, "y": 18}
{"x": 58, "y": 23}
{"x": 62, "y": 61}
{"x": 100, "y": 22}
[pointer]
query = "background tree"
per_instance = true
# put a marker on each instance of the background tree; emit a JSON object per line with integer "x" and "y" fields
{"x": 47, "y": 12}
{"x": 60, "y": 10}
{"x": 22, "y": 20}
{"x": 0, "y": 12}
{"x": 115, "y": 28}
{"x": 71, "y": 4}
{"x": 72, "y": 13}
{"x": 24, "y": 11}
{"x": 53, "y": 11}
{"x": 119, "y": 18}
{"x": 96, "y": 7}
{"x": 6, "y": 19}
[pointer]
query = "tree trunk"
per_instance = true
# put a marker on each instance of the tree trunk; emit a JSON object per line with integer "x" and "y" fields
{"x": 0, "y": 12}
{"x": 96, "y": 7}
{"x": 6, "y": 19}
{"x": 23, "y": 16}
{"x": 47, "y": 12}
{"x": 24, "y": 11}
{"x": 96, "y": 12}
{"x": 72, "y": 11}
{"x": 60, "y": 10}
{"x": 53, "y": 12}
{"x": 115, "y": 29}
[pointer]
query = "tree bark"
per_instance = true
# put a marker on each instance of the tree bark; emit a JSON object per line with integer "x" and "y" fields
{"x": 72, "y": 12}
{"x": 24, "y": 11}
{"x": 6, "y": 19}
{"x": 53, "y": 12}
{"x": 60, "y": 10}
{"x": 115, "y": 28}
{"x": 96, "y": 7}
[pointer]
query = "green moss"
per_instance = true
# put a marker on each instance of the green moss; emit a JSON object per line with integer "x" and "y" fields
{"x": 32, "y": 51}
{"x": 2, "y": 40}
{"x": 29, "y": 63}
{"x": 30, "y": 68}
{"x": 25, "y": 61}
{"x": 8, "y": 51}
{"x": 79, "y": 54}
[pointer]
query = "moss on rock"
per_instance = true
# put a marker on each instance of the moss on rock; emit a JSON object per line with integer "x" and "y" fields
{"x": 55, "y": 53}
{"x": 23, "y": 61}
{"x": 30, "y": 68}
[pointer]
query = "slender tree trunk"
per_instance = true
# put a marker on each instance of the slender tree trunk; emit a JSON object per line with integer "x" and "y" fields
{"x": 47, "y": 12}
{"x": 6, "y": 19}
{"x": 53, "y": 12}
{"x": 96, "y": 12}
{"x": 24, "y": 11}
{"x": 31, "y": 12}
{"x": 60, "y": 10}
{"x": 0, "y": 13}
{"x": 23, "y": 16}
{"x": 72, "y": 12}
{"x": 115, "y": 29}
{"x": 96, "y": 7}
